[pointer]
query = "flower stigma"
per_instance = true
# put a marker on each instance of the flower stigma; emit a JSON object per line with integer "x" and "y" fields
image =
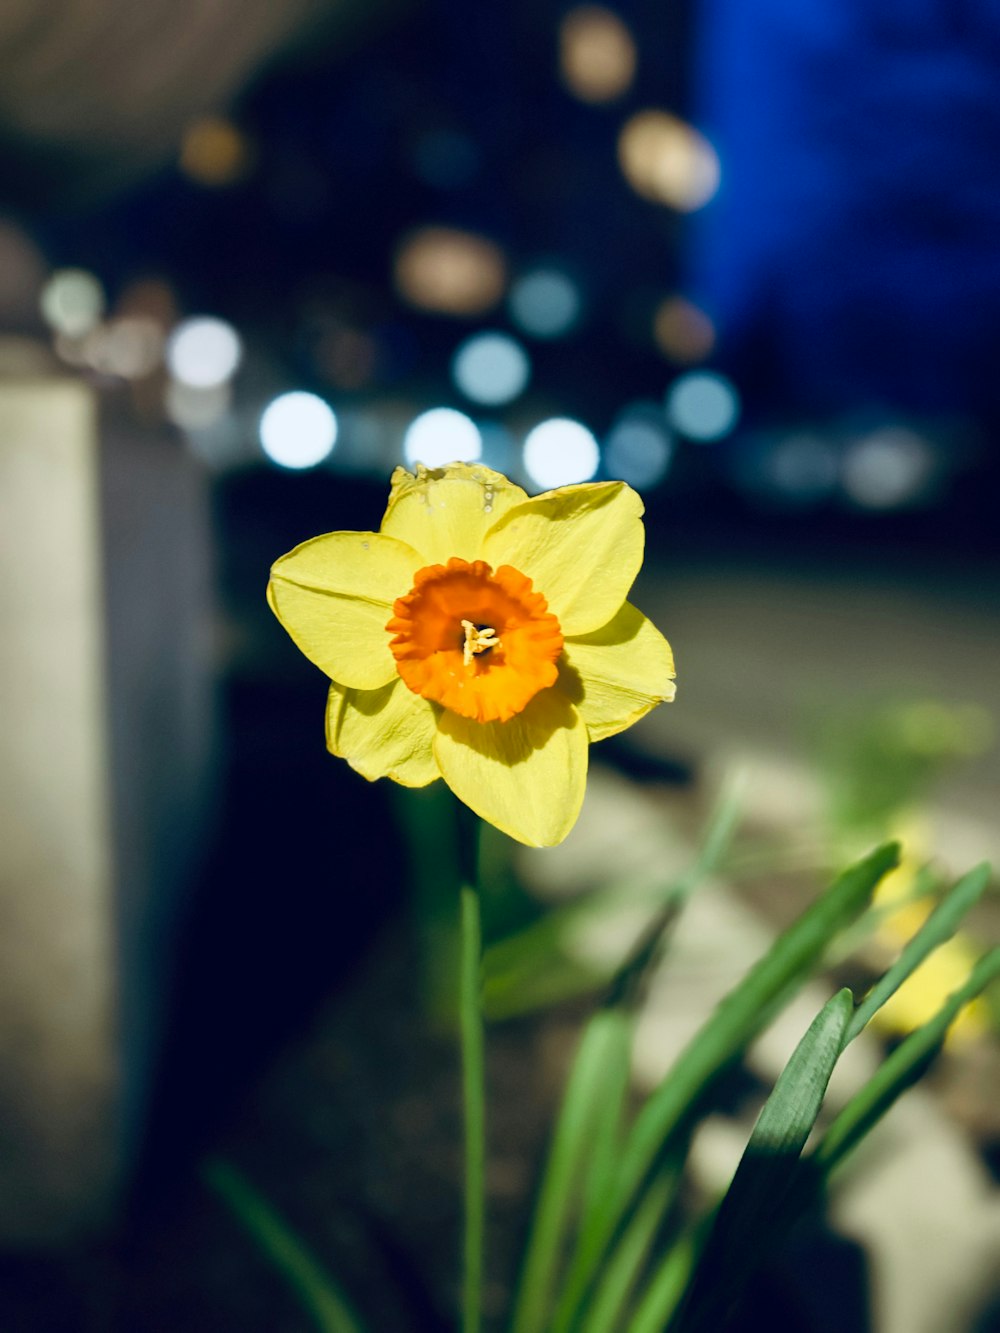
{"x": 480, "y": 642}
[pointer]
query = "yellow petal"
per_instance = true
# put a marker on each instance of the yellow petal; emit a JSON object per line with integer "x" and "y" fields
{"x": 526, "y": 776}
{"x": 446, "y": 511}
{"x": 334, "y": 595}
{"x": 386, "y": 733}
{"x": 581, "y": 546}
{"x": 617, "y": 674}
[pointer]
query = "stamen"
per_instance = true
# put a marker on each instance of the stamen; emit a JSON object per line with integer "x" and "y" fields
{"x": 478, "y": 639}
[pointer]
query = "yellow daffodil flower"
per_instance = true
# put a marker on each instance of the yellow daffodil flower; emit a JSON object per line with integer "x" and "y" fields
{"x": 480, "y": 636}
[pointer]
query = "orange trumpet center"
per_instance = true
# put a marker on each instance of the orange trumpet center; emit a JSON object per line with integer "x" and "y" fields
{"x": 480, "y": 642}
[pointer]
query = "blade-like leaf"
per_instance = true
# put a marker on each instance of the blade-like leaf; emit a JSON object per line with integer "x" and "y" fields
{"x": 607, "y": 1125}
{"x": 939, "y": 927}
{"x": 607, "y": 1308}
{"x": 785, "y": 1122}
{"x": 602, "y": 1157}
{"x": 667, "y": 1285}
{"x": 752, "y": 1210}
{"x": 603, "y": 1052}
{"x": 317, "y": 1291}
{"x": 743, "y": 1013}
{"x": 899, "y": 1070}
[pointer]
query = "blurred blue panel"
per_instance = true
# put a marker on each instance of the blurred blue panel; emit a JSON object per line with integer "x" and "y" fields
{"x": 852, "y": 255}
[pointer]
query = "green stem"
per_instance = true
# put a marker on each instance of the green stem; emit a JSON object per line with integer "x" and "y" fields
{"x": 473, "y": 1078}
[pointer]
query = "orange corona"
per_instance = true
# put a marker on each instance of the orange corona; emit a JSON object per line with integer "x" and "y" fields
{"x": 479, "y": 642}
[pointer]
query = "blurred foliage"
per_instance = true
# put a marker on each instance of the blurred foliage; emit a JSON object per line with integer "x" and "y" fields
{"x": 609, "y": 1247}
{"x": 613, "y": 1243}
{"x": 877, "y": 760}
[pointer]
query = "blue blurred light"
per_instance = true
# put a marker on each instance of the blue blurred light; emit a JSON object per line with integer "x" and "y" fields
{"x": 491, "y": 368}
{"x": 889, "y": 469}
{"x": 802, "y": 467}
{"x": 72, "y": 301}
{"x": 560, "y": 451}
{"x": 638, "y": 449}
{"x": 793, "y": 469}
{"x": 703, "y": 405}
{"x": 298, "y": 430}
{"x": 442, "y": 435}
{"x": 545, "y": 303}
{"x": 203, "y": 351}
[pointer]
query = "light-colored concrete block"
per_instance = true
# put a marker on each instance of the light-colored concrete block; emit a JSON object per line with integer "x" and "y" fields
{"x": 57, "y": 1034}
{"x": 106, "y": 746}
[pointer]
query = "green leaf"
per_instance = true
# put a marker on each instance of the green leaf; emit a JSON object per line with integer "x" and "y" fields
{"x": 899, "y": 1070}
{"x": 315, "y": 1288}
{"x": 530, "y": 971}
{"x": 601, "y": 1060}
{"x": 667, "y": 1285}
{"x": 608, "y": 1123}
{"x": 743, "y": 1013}
{"x": 926, "y": 883}
{"x": 607, "y": 1308}
{"x": 751, "y": 1214}
{"x": 939, "y": 927}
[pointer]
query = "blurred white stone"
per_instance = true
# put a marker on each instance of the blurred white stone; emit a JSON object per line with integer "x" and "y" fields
{"x": 105, "y": 749}
{"x": 924, "y": 1208}
{"x": 57, "y": 991}
{"x": 916, "y": 1195}
{"x": 621, "y": 833}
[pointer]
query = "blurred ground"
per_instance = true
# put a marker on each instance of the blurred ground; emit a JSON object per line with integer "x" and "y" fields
{"x": 343, "y": 1109}
{"x": 765, "y": 642}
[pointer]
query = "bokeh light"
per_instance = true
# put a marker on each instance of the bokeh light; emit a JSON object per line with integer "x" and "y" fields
{"x": 203, "y": 351}
{"x": 888, "y": 469}
{"x": 223, "y": 443}
{"x": 442, "y": 435}
{"x": 638, "y": 447}
{"x": 72, "y": 350}
{"x": 449, "y": 271}
{"x": 560, "y": 451}
{"x": 802, "y": 468}
{"x": 347, "y": 356}
{"x": 151, "y": 298}
{"x": 545, "y": 303}
{"x": 491, "y": 368}
{"x": 703, "y": 405}
{"x": 194, "y": 408}
{"x": 72, "y": 301}
{"x": 298, "y": 430}
{"x": 793, "y": 469}
{"x": 667, "y": 161}
{"x": 597, "y": 55}
{"x": 214, "y": 152}
{"x": 130, "y": 348}
{"x": 682, "y": 331}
